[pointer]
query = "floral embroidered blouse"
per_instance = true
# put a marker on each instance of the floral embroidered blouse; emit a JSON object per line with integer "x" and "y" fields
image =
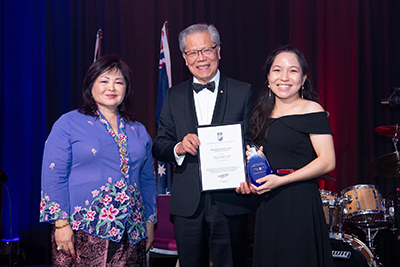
{"x": 101, "y": 181}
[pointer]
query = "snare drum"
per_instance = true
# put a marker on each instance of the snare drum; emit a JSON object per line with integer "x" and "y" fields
{"x": 330, "y": 202}
{"x": 351, "y": 252}
{"x": 363, "y": 205}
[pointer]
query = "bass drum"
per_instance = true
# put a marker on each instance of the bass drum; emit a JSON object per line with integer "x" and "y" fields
{"x": 351, "y": 252}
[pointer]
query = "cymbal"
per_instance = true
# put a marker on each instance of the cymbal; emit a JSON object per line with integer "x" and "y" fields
{"x": 385, "y": 166}
{"x": 388, "y": 130}
{"x": 326, "y": 177}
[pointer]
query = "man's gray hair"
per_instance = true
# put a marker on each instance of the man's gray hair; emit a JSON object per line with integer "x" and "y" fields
{"x": 197, "y": 28}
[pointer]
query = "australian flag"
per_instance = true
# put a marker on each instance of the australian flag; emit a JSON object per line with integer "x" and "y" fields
{"x": 164, "y": 170}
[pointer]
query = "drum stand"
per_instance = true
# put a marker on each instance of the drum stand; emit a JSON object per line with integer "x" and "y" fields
{"x": 394, "y": 141}
{"x": 370, "y": 234}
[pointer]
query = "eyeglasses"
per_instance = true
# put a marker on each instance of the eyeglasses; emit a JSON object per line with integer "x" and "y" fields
{"x": 206, "y": 51}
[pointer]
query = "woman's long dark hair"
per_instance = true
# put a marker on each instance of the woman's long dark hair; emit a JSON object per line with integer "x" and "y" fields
{"x": 105, "y": 64}
{"x": 260, "y": 117}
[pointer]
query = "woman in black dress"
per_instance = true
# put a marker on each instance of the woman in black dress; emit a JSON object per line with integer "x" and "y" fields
{"x": 294, "y": 133}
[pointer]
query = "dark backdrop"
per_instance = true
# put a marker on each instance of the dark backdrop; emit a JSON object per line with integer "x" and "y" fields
{"x": 46, "y": 47}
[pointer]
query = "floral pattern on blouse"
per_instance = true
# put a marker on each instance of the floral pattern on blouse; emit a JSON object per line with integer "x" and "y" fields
{"x": 115, "y": 208}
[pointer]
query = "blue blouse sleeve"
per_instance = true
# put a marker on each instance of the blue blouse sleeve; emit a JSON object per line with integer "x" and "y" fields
{"x": 148, "y": 180}
{"x": 56, "y": 166}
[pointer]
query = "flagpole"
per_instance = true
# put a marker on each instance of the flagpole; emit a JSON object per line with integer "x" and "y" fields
{"x": 167, "y": 30}
{"x": 97, "y": 47}
{"x": 167, "y": 55}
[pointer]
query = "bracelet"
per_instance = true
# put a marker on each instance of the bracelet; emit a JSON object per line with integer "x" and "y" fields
{"x": 61, "y": 226}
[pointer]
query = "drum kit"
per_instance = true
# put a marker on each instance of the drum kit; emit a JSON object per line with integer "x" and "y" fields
{"x": 363, "y": 207}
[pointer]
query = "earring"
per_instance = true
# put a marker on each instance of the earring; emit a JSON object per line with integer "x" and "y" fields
{"x": 302, "y": 91}
{"x": 269, "y": 94}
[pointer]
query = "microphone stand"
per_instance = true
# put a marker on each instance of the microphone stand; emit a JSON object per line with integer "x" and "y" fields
{"x": 393, "y": 99}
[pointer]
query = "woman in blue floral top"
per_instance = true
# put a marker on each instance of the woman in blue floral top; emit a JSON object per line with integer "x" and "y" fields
{"x": 98, "y": 180}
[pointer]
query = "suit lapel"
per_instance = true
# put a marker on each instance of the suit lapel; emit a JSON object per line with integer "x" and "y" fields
{"x": 190, "y": 109}
{"x": 220, "y": 104}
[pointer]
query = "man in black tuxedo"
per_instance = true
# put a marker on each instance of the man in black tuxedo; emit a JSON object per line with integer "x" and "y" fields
{"x": 205, "y": 222}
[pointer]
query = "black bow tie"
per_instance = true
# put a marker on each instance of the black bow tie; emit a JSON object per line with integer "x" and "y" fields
{"x": 197, "y": 87}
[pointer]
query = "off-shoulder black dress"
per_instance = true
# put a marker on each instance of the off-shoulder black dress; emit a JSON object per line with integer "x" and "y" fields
{"x": 290, "y": 228}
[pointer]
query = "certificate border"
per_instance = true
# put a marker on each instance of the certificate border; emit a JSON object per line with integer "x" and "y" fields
{"x": 244, "y": 158}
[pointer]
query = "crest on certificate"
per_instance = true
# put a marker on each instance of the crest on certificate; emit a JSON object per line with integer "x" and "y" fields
{"x": 220, "y": 137}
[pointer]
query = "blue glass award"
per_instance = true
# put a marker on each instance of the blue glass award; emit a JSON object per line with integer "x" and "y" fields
{"x": 257, "y": 165}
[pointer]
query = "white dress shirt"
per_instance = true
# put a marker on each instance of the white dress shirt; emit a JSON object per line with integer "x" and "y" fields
{"x": 204, "y": 102}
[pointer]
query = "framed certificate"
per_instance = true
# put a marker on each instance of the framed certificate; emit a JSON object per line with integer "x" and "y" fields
{"x": 221, "y": 156}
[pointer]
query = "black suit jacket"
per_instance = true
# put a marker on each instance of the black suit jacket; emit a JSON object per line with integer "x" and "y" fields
{"x": 177, "y": 119}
